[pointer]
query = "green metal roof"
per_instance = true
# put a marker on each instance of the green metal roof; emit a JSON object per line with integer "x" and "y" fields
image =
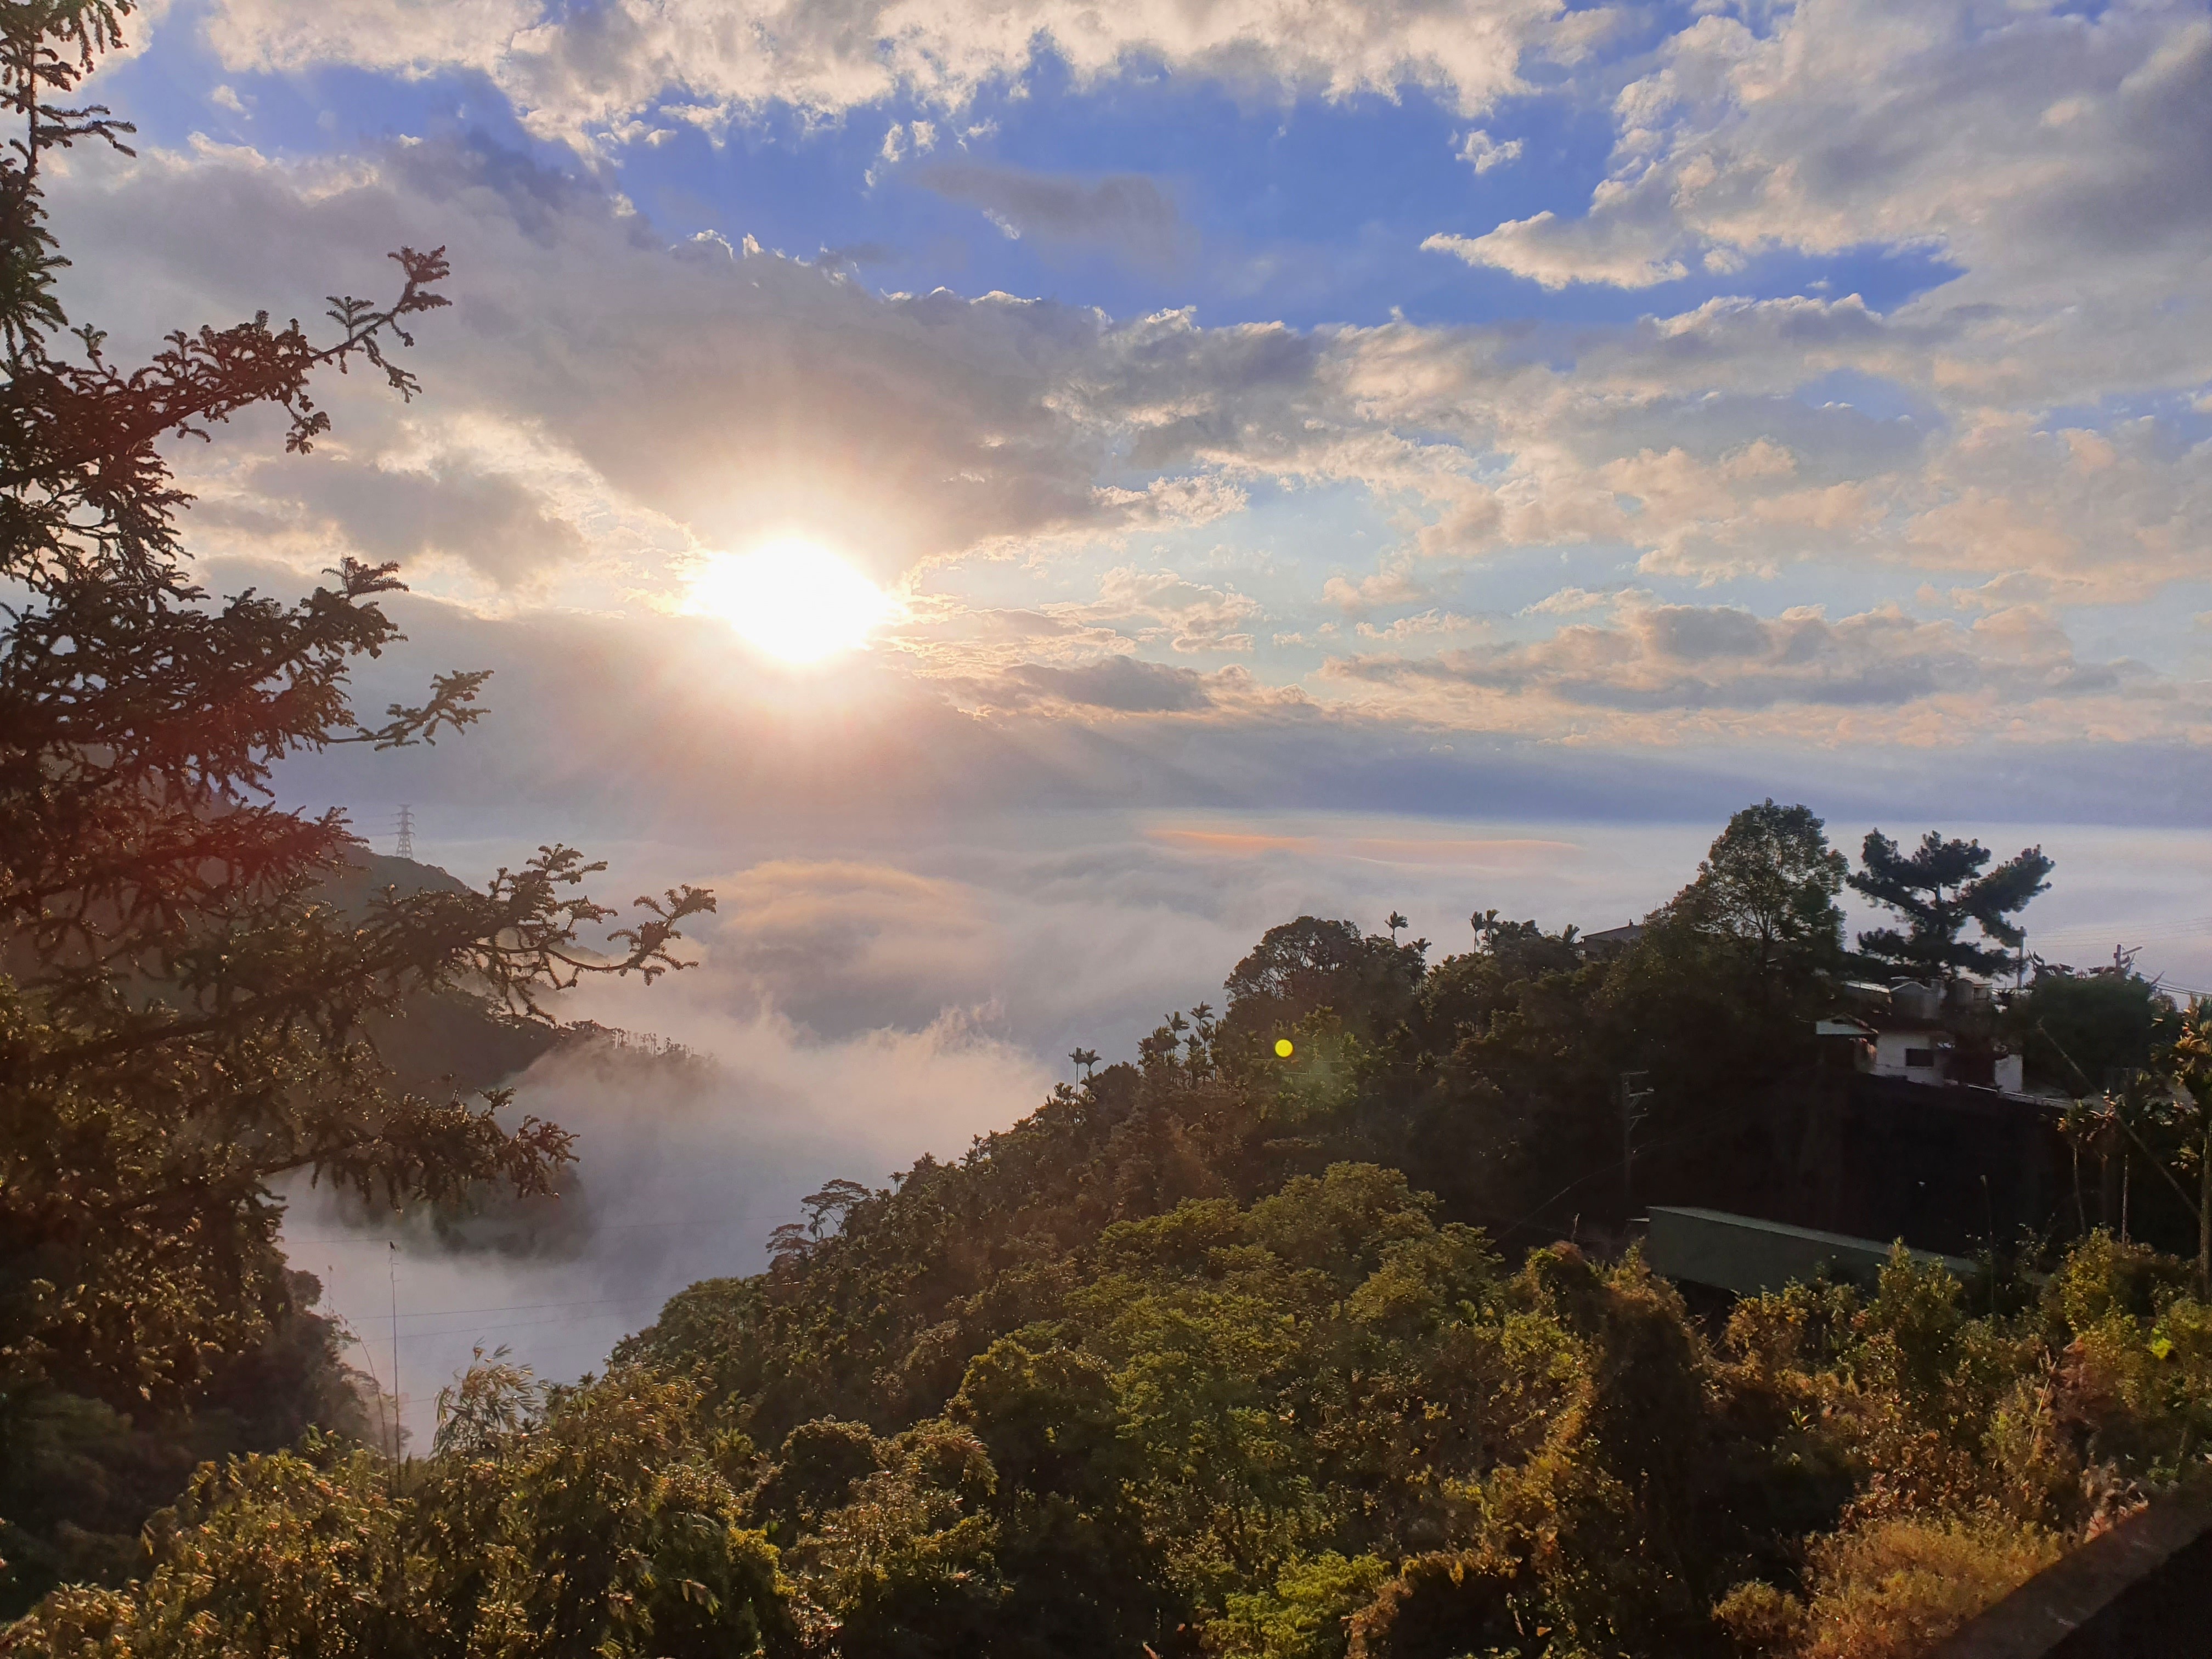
{"x": 1743, "y": 1254}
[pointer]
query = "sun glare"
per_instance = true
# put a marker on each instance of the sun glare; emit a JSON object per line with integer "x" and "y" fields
{"x": 792, "y": 599}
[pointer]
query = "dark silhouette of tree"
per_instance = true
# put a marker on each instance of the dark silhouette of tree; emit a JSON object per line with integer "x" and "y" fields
{"x": 1086, "y": 1058}
{"x": 1936, "y": 889}
{"x": 790, "y": 1241}
{"x": 1304, "y": 967}
{"x": 1396, "y": 924}
{"x": 835, "y": 1199}
{"x": 181, "y": 1011}
{"x": 1770, "y": 881}
{"x": 2083, "y": 1032}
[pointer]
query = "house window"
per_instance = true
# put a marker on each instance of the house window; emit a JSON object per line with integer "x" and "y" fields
{"x": 1922, "y": 1058}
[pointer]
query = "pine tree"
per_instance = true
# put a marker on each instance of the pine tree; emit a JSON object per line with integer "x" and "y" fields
{"x": 1936, "y": 889}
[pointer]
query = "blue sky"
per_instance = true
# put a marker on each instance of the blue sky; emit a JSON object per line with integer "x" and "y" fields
{"x": 1329, "y": 454}
{"x": 1489, "y": 407}
{"x": 1288, "y": 206}
{"x": 1815, "y": 392}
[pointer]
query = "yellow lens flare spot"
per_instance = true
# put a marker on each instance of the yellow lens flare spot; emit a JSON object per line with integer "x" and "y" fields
{"x": 1282, "y": 1049}
{"x": 791, "y": 599}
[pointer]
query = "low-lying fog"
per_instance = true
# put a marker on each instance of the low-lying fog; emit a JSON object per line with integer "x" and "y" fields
{"x": 851, "y": 1011}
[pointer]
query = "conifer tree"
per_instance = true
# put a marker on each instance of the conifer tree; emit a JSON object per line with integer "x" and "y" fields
{"x": 181, "y": 1014}
{"x": 1936, "y": 889}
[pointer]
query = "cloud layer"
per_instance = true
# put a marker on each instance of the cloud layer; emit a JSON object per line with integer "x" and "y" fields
{"x": 624, "y": 67}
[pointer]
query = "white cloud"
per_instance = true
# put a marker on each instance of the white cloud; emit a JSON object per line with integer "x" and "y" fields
{"x": 2051, "y": 154}
{"x": 1185, "y": 615}
{"x": 1430, "y": 624}
{"x": 1482, "y": 152}
{"x": 1555, "y": 251}
{"x": 1392, "y": 584}
{"x": 900, "y": 140}
{"x": 1666, "y": 671}
{"x": 716, "y": 391}
{"x": 1572, "y": 602}
{"x": 588, "y": 75}
{"x": 631, "y": 404}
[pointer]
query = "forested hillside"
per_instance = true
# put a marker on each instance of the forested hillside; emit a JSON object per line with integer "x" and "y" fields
{"x": 1229, "y": 1351}
{"x": 82, "y": 1468}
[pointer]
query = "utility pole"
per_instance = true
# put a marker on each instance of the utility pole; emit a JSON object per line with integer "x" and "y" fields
{"x": 405, "y": 846}
{"x": 1633, "y": 1094}
{"x": 393, "y": 1260}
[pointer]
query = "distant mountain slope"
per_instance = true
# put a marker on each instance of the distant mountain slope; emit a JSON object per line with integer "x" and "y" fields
{"x": 447, "y": 1039}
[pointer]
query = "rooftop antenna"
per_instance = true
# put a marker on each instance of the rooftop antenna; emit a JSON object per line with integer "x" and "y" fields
{"x": 405, "y": 846}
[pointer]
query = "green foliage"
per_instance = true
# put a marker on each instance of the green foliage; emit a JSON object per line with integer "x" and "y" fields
{"x": 1304, "y": 967}
{"x": 295, "y": 1552}
{"x": 2084, "y": 1032}
{"x": 185, "y": 1014}
{"x": 1936, "y": 889}
{"x": 1770, "y": 883}
{"x": 1304, "y": 1614}
{"x": 1231, "y": 1372}
{"x": 1189, "y": 1361}
{"x": 1321, "y": 1422}
{"x": 1889, "y": 1589}
{"x": 612, "y": 1529}
{"x": 607, "y": 1526}
{"x": 80, "y": 1478}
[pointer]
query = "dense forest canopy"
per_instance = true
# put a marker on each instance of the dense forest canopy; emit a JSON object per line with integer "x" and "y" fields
{"x": 1315, "y": 1328}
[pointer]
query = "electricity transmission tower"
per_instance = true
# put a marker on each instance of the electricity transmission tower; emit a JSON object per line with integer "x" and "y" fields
{"x": 405, "y": 845}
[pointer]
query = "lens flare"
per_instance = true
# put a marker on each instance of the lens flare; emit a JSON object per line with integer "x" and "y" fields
{"x": 790, "y": 599}
{"x": 1282, "y": 1047}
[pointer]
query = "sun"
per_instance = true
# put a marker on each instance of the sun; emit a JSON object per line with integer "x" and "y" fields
{"x": 791, "y": 598}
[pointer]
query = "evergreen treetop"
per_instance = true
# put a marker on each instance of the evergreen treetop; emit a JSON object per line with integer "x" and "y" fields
{"x": 1936, "y": 889}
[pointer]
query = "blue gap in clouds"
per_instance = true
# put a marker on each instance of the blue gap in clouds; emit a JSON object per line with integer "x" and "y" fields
{"x": 1304, "y": 213}
{"x": 330, "y": 110}
{"x": 1874, "y": 396}
{"x": 1300, "y": 211}
{"x": 2177, "y": 426}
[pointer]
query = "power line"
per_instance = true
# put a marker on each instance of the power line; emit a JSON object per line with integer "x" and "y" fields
{"x": 472, "y": 1331}
{"x": 2179, "y": 928}
{"x": 705, "y": 1224}
{"x": 530, "y": 1307}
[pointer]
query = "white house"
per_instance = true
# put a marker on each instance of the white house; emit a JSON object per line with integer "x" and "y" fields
{"x": 1909, "y": 1039}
